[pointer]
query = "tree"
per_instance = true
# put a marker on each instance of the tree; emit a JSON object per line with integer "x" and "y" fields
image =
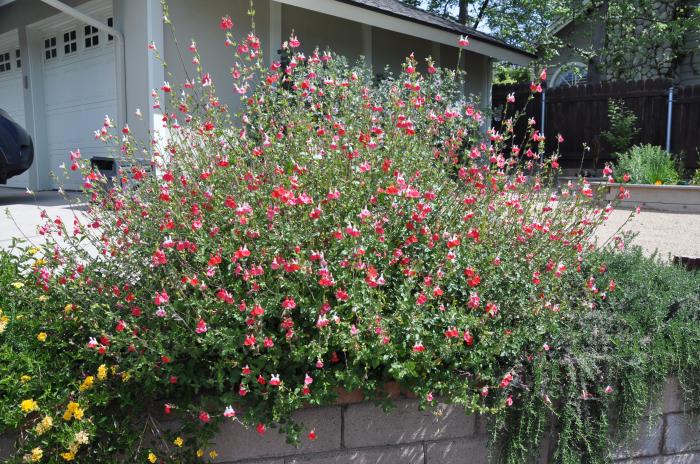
{"x": 627, "y": 39}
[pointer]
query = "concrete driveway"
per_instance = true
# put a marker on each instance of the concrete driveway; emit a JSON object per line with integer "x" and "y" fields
{"x": 24, "y": 212}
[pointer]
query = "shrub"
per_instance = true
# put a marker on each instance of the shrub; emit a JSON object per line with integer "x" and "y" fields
{"x": 696, "y": 178}
{"x": 648, "y": 164}
{"x": 623, "y": 128}
{"x": 339, "y": 233}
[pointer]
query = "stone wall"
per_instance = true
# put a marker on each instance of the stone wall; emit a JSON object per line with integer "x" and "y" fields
{"x": 361, "y": 433}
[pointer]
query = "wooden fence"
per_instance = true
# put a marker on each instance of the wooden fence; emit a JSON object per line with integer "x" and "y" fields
{"x": 580, "y": 115}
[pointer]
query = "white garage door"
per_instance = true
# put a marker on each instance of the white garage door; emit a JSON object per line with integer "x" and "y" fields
{"x": 11, "y": 92}
{"x": 79, "y": 89}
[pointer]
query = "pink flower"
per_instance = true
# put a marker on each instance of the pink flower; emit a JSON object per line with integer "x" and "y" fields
{"x": 418, "y": 347}
{"x": 510, "y": 98}
{"x": 506, "y": 380}
{"x": 289, "y": 303}
{"x": 608, "y": 389}
{"x": 161, "y": 298}
{"x": 201, "y": 327}
{"x": 275, "y": 380}
{"x": 204, "y": 417}
{"x": 543, "y": 75}
{"x": 229, "y": 412}
{"x": 260, "y": 428}
{"x": 312, "y": 435}
{"x": 463, "y": 41}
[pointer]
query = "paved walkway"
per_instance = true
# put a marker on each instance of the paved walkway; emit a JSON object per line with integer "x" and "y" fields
{"x": 674, "y": 233}
{"x": 24, "y": 210}
{"x": 677, "y": 234}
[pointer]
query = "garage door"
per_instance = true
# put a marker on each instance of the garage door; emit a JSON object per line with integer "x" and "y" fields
{"x": 11, "y": 92}
{"x": 79, "y": 89}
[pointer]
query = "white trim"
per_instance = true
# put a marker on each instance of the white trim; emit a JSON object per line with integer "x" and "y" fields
{"x": 404, "y": 26}
{"x": 5, "y": 2}
{"x": 565, "y": 66}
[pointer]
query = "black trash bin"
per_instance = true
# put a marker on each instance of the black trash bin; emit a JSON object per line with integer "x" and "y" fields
{"x": 104, "y": 165}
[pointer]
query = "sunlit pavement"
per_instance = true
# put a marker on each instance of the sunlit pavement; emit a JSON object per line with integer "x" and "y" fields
{"x": 24, "y": 212}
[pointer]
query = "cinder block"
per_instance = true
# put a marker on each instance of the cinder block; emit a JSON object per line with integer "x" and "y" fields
{"x": 410, "y": 454}
{"x": 256, "y": 461}
{"x": 647, "y": 443}
{"x": 368, "y": 425}
{"x": 460, "y": 451}
{"x": 235, "y": 442}
{"x": 7, "y": 443}
{"x": 671, "y": 398}
{"x": 681, "y": 435}
{"x": 686, "y": 458}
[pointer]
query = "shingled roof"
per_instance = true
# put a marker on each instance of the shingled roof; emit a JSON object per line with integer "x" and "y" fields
{"x": 401, "y": 10}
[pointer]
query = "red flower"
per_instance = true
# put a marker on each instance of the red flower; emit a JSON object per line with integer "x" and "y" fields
{"x": 204, "y": 417}
{"x": 226, "y": 23}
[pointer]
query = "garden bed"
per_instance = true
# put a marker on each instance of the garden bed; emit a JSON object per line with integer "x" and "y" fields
{"x": 667, "y": 198}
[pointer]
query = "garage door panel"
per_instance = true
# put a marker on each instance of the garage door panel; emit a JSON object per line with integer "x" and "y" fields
{"x": 79, "y": 90}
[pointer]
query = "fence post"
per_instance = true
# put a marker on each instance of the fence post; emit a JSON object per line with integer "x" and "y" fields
{"x": 669, "y": 119}
{"x": 542, "y": 110}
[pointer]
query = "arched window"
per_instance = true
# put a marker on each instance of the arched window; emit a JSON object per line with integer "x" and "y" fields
{"x": 570, "y": 74}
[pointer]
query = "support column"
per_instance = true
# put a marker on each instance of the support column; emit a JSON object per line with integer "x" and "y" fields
{"x": 34, "y": 107}
{"x": 156, "y": 74}
{"x": 275, "y": 32}
{"x": 367, "y": 45}
{"x": 435, "y": 53}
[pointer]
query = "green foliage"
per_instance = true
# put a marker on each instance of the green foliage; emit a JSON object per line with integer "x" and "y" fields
{"x": 505, "y": 73}
{"x": 647, "y": 164}
{"x": 623, "y": 128}
{"x": 606, "y": 367}
{"x": 696, "y": 178}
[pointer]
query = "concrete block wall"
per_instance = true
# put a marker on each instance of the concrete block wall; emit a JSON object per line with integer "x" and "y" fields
{"x": 361, "y": 433}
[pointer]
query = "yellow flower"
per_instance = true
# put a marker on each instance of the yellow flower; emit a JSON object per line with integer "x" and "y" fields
{"x": 25, "y": 378}
{"x": 43, "y": 426}
{"x": 39, "y": 262}
{"x": 73, "y": 410}
{"x": 69, "y": 307}
{"x": 213, "y": 454}
{"x": 4, "y": 320}
{"x": 17, "y": 285}
{"x": 102, "y": 372}
{"x": 37, "y": 454}
{"x": 178, "y": 442}
{"x": 43, "y": 298}
{"x": 200, "y": 453}
{"x": 29, "y": 406}
{"x": 152, "y": 458}
{"x": 87, "y": 383}
{"x": 68, "y": 456}
{"x": 125, "y": 376}
{"x": 32, "y": 251}
{"x": 41, "y": 337}
{"x": 658, "y": 182}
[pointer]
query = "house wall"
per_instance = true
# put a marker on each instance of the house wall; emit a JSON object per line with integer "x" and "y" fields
{"x": 316, "y": 30}
{"x": 202, "y": 24}
{"x": 689, "y": 70}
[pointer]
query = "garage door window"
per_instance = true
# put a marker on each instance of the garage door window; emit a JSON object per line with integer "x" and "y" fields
{"x": 50, "y": 48}
{"x": 110, "y": 23}
{"x": 92, "y": 37}
{"x": 18, "y": 57}
{"x": 70, "y": 42}
{"x": 5, "y": 63}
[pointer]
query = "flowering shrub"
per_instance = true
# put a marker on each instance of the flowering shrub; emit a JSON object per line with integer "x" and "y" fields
{"x": 338, "y": 234}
